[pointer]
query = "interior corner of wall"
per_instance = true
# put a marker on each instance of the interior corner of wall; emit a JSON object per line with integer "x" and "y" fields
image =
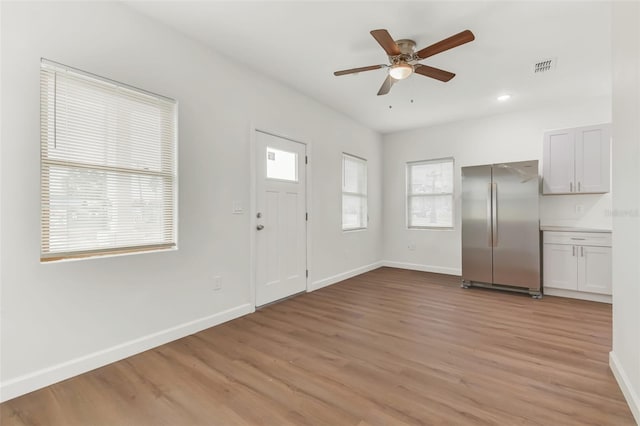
{"x": 631, "y": 394}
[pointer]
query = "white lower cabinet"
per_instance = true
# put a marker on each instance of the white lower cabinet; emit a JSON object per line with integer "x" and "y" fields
{"x": 577, "y": 264}
{"x": 594, "y": 269}
{"x": 560, "y": 268}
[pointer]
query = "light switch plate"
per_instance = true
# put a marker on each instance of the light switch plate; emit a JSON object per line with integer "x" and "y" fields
{"x": 237, "y": 208}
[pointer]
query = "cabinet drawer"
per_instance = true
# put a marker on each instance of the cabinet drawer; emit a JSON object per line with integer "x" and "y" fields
{"x": 602, "y": 239}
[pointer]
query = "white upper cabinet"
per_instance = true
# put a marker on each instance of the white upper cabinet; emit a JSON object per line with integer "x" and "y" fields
{"x": 593, "y": 150}
{"x": 577, "y": 161}
{"x": 559, "y": 162}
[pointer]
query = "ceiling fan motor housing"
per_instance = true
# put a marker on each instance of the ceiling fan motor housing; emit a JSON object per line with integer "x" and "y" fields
{"x": 407, "y": 54}
{"x": 406, "y": 46}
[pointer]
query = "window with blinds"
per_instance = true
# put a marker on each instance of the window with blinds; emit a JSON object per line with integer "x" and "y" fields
{"x": 354, "y": 193}
{"x": 430, "y": 194}
{"x": 108, "y": 166}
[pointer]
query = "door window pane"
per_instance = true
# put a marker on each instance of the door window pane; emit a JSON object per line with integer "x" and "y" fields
{"x": 282, "y": 165}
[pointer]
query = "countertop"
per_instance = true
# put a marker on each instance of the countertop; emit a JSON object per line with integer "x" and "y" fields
{"x": 572, "y": 229}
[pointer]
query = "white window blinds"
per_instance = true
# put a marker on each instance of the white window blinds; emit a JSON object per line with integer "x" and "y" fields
{"x": 108, "y": 166}
{"x": 354, "y": 192}
{"x": 430, "y": 194}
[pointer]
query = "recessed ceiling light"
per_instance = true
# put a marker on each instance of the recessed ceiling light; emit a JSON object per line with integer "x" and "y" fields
{"x": 503, "y": 98}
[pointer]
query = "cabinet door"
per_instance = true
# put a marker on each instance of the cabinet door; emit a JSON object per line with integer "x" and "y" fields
{"x": 593, "y": 147}
{"x": 560, "y": 266}
{"x": 594, "y": 269}
{"x": 559, "y": 162}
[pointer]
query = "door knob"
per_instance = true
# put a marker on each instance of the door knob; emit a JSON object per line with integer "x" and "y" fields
{"x": 260, "y": 227}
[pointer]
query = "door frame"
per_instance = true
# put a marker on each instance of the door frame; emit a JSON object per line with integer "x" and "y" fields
{"x": 253, "y": 209}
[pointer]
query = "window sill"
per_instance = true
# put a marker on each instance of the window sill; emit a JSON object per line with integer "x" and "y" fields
{"x": 105, "y": 254}
{"x": 431, "y": 228}
{"x": 354, "y": 230}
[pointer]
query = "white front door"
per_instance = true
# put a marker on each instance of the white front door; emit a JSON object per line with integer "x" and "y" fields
{"x": 281, "y": 240}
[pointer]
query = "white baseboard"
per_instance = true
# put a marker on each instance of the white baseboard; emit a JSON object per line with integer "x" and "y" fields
{"x": 560, "y": 292}
{"x": 423, "y": 268}
{"x": 316, "y": 285}
{"x": 630, "y": 394}
{"x": 38, "y": 379}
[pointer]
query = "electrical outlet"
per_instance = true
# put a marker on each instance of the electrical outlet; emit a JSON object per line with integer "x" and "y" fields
{"x": 217, "y": 283}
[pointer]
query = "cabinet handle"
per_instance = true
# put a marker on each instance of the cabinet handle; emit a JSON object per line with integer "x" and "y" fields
{"x": 581, "y": 239}
{"x": 570, "y": 186}
{"x": 582, "y": 251}
{"x": 573, "y": 251}
{"x": 578, "y": 186}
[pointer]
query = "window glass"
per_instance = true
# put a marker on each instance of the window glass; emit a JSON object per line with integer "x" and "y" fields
{"x": 354, "y": 176}
{"x": 354, "y": 210}
{"x": 434, "y": 211}
{"x": 354, "y": 192}
{"x": 430, "y": 194}
{"x": 432, "y": 178}
{"x": 108, "y": 166}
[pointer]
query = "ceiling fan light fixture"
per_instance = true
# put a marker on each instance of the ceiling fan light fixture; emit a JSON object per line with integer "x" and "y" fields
{"x": 400, "y": 71}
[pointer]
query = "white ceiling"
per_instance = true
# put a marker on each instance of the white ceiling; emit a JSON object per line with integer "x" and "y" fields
{"x": 301, "y": 44}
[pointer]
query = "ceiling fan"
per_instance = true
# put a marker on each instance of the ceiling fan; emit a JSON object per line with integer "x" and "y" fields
{"x": 404, "y": 61}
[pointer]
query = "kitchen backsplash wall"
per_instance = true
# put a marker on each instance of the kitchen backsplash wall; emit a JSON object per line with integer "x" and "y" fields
{"x": 584, "y": 210}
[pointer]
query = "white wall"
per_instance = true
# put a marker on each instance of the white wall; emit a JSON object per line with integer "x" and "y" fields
{"x": 507, "y": 137}
{"x": 625, "y": 356}
{"x": 64, "y": 318}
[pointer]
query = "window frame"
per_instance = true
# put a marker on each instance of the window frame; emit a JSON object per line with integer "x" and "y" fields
{"x": 170, "y": 207}
{"x": 409, "y": 195}
{"x": 363, "y": 195}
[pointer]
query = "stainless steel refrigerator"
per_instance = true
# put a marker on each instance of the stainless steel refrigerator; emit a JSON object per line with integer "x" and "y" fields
{"x": 500, "y": 227}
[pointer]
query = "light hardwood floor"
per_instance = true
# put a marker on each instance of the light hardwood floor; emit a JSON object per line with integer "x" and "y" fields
{"x": 389, "y": 347}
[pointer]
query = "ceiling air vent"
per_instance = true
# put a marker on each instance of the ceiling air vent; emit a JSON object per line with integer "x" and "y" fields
{"x": 544, "y": 65}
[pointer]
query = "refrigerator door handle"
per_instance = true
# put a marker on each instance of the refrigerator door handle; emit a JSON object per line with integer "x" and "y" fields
{"x": 489, "y": 215}
{"x": 494, "y": 216}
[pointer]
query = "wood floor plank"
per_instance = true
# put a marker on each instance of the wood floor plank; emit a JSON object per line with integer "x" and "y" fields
{"x": 389, "y": 347}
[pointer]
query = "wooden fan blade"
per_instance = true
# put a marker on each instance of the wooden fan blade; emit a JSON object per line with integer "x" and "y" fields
{"x": 448, "y": 43}
{"x": 436, "y": 73}
{"x": 386, "y": 86}
{"x": 355, "y": 70}
{"x": 386, "y": 41}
